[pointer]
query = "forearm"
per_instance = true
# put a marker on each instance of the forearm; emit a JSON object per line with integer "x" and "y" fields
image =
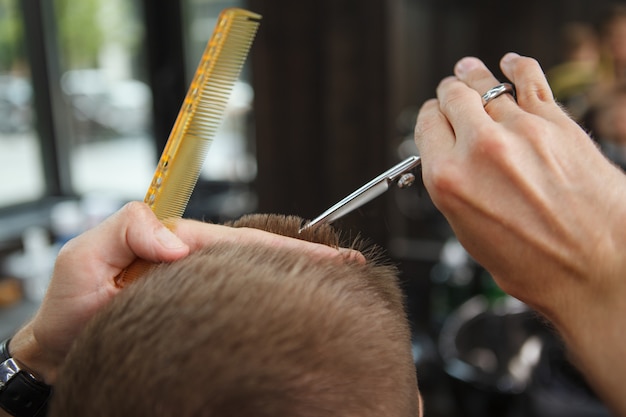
{"x": 596, "y": 340}
{"x": 604, "y": 367}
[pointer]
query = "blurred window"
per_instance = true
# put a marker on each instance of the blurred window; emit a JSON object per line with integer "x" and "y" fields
{"x": 21, "y": 170}
{"x": 86, "y": 129}
{"x": 108, "y": 100}
{"x": 231, "y": 157}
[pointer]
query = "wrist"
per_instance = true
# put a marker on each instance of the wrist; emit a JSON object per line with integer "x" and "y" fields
{"x": 596, "y": 346}
{"x": 29, "y": 355}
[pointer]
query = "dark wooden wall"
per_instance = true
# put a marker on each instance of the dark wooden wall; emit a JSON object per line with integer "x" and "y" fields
{"x": 321, "y": 95}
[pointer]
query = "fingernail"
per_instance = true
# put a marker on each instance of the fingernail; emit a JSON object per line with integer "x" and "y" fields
{"x": 168, "y": 239}
{"x": 508, "y": 58}
{"x": 467, "y": 65}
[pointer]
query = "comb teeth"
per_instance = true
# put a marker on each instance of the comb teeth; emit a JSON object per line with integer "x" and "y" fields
{"x": 199, "y": 118}
{"x": 201, "y": 113}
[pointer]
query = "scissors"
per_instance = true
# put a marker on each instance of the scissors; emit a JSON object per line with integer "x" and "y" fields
{"x": 400, "y": 174}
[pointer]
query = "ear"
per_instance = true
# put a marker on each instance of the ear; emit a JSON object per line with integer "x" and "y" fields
{"x": 420, "y": 404}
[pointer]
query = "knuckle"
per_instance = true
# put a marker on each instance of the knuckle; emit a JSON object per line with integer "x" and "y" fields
{"x": 134, "y": 211}
{"x": 427, "y": 118}
{"x": 536, "y": 92}
{"x": 538, "y": 88}
{"x": 455, "y": 101}
{"x": 489, "y": 142}
{"x": 444, "y": 180}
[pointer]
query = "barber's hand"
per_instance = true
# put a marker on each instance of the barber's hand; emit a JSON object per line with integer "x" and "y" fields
{"x": 82, "y": 282}
{"x": 525, "y": 189}
{"x": 535, "y": 202}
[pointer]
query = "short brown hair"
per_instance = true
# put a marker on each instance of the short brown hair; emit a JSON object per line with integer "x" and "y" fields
{"x": 247, "y": 330}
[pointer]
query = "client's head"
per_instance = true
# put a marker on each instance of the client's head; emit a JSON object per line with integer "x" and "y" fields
{"x": 248, "y": 330}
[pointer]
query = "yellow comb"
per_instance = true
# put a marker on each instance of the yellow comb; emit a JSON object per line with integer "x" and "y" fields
{"x": 198, "y": 119}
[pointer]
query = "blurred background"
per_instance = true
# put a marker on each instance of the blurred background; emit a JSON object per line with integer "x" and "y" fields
{"x": 327, "y": 100}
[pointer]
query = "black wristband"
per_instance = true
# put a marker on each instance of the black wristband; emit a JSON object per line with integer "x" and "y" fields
{"x": 22, "y": 395}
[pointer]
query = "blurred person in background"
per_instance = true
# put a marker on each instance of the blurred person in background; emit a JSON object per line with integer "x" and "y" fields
{"x": 606, "y": 121}
{"x": 605, "y": 117}
{"x": 613, "y": 38}
{"x": 573, "y": 79}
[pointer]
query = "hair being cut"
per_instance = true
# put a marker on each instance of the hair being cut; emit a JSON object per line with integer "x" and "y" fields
{"x": 247, "y": 330}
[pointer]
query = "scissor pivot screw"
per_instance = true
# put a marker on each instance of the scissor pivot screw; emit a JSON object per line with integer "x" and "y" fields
{"x": 406, "y": 180}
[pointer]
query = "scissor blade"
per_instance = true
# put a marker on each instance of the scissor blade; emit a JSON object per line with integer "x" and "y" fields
{"x": 352, "y": 202}
{"x": 366, "y": 193}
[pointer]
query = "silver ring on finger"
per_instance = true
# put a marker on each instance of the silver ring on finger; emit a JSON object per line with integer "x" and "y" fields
{"x": 497, "y": 91}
